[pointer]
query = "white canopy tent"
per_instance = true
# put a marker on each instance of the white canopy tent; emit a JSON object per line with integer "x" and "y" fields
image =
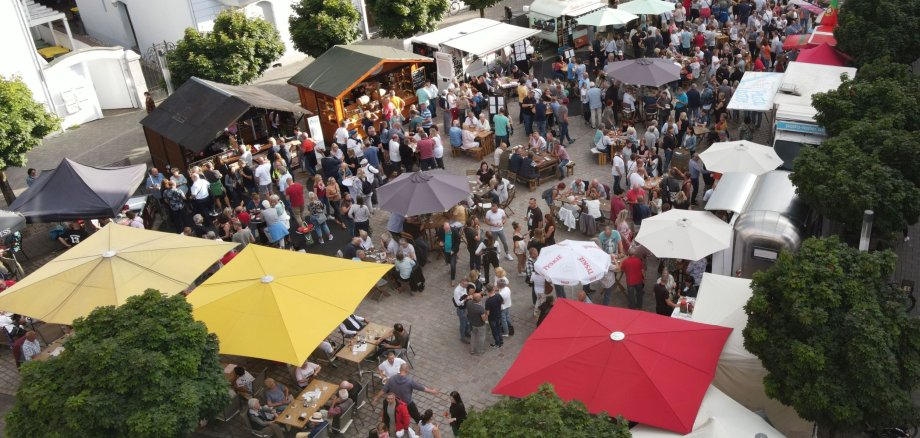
{"x": 491, "y": 39}
{"x": 719, "y": 417}
{"x": 756, "y": 91}
{"x": 571, "y": 8}
{"x": 720, "y": 301}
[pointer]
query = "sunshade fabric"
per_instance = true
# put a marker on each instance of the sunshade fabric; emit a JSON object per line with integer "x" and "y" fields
{"x": 649, "y": 368}
{"x": 822, "y": 54}
{"x": 646, "y": 7}
{"x": 76, "y": 191}
{"x": 558, "y": 8}
{"x": 740, "y": 156}
{"x": 572, "y": 262}
{"x": 279, "y": 305}
{"x": 429, "y": 191}
{"x": 684, "y": 234}
{"x": 719, "y": 417}
{"x": 341, "y": 66}
{"x": 607, "y": 17}
{"x": 113, "y": 264}
{"x": 494, "y": 38}
{"x": 652, "y": 72}
{"x": 200, "y": 110}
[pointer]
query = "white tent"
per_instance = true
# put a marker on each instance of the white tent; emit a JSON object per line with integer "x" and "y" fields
{"x": 740, "y": 374}
{"x": 756, "y": 91}
{"x": 719, "y": 417}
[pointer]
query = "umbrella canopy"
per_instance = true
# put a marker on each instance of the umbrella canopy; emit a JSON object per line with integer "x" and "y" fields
{"x": 75, "y": 191}
{"x": 823, "y": 35}
{"x": 648, "y": 368}
{"x": 646, "y": 7}
{"x": 279, "y": 305}
{"x": 429, "y": 191}
{"x": 740, "y": 156}
{"x": 113, "y": 264}
{"x": 720, "y": 301}
{"x": 607, "y": 17}
{"x": 796, "y": 41}
{"x": 10, "y": 222}
{"x": 684, "y": 234}
{"x": 823, "y": 54}
{"x": 572, "y": 262}
{"x": 719, "y": 417}
{"x": 652, "y": 72}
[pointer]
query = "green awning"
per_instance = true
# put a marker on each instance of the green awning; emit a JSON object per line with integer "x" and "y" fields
{"x": 335, "y": 71}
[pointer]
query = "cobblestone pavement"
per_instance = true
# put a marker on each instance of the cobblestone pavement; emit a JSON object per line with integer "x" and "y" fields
{"x": 441, "y": 360}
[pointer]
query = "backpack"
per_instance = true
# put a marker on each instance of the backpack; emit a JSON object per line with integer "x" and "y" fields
{"x": 366, "y": 188}
{"x": 442, "y": 103}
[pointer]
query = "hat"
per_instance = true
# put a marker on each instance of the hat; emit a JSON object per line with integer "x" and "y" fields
{"x": 363, "y": 161}
{"x": 316, "y": 418}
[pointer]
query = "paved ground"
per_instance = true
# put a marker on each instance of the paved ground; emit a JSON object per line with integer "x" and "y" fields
{"x": 441, "y": 360}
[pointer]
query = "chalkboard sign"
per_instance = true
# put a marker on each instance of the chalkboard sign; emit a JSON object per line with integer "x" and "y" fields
{"x": 418, "y": 78}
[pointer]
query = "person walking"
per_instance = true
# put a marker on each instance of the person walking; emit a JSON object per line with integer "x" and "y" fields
{"x": 634, "y": 269}
{"x": 496, "y": 218}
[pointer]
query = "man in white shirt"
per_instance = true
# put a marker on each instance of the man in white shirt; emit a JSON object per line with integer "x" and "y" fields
{"x": 242, "y": 384}
{"x": 496, "y": 218}
{"x": 263, "y": 174}
{"x": 200, "y": 195}
{"x": 352, "y": 325}
{"x": 245, "y": 155}
{"x": 393, "y": 151}
{"x": 390, "y": 367}
{"x": 618, "y": 170}
{"x": 306, "y": 373}
{"x": 355, "y": 144}
{"x": 505, "y": 293}
{"x": 341, "y": 134}
{"x": 637, "y": 178}
{"x": 438, "y": 146}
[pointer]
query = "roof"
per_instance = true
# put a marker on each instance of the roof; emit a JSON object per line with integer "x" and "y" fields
{"x": 755, "y": 91}
{"x": 436, "y": 38}
{"x": 491, "y": 39}
{"x": 200, "y": 110}
{"x": 335, "y": 71}
{"x": 76, "y": 191}
{"x": 571, "y": 8}
{"x": 807, "y": 80}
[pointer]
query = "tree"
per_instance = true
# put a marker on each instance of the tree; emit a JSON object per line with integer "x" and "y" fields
{"x": 481, "y": 5}
{"x": 870, "y": 29}
{"x": 405, "y": 18}
{"x": 318, "y": 25}
{"x": 144, "y": 369}
{"x": 835, "y": 338}
{"x": 546, "y": 414}
{"x": 235, "y": 52}
{"x": 840, "y": 181}
{"x": 23, "y": 125}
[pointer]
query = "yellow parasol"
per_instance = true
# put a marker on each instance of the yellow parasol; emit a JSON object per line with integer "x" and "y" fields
{"x": 279, "y": 305}
{"x": 113, "y": 264}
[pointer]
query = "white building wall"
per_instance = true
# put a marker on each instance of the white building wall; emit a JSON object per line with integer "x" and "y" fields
{"x": 18, "y": 50}
{"x": 154, "y": 21}
{"x": 72, "y": 93}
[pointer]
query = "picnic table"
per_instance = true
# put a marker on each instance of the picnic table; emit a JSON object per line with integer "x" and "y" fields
{"x": 363, "y": 345}
{"x": 311, "y": 399}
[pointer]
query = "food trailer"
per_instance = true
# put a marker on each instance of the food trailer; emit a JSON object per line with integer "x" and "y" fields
{"x": 469, "y": 48}
{"x": 346, "y": 81}
{"x": 766, "y": 216}
{"x": 205, "y": 121}
{"x": 555, "y": 19}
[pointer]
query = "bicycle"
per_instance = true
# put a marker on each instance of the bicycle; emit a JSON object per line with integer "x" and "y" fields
{"x": 893, "y": 432}
{"x": 454, "y": 8}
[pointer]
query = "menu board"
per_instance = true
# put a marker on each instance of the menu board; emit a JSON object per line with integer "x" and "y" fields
{"x": 418, "y": 78}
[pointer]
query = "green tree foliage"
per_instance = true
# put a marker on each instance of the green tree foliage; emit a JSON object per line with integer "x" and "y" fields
{"x": 235, "y": 52}
{"x": 144, "y": 369}
{"x": 318, "y": 25}
{"x": 405, "y": 18}
{"x": 23, "y": 125}
{"x": 541, "y": 414}
{"x": 835, "y": 338}
{"x": 871, "y": 29}
{"x": 872, "y": 160}
{"x": 481, "y": 5}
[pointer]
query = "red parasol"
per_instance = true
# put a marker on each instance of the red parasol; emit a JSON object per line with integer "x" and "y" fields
{"x": 823, "y": 54}
{"x": 822, "y": 35}
{"x": 649, "y": 368}
{"x": 796, "y": 41}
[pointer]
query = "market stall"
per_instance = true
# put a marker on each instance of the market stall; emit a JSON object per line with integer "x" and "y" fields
{"x": 346, "y": 81}
{"x": 205, "y": 121}
{"x": 557, "y": 20}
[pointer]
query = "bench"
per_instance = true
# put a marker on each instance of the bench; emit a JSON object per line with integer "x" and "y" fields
{"x": 570, "y": 168}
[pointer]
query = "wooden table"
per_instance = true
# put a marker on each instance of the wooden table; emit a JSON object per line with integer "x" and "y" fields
{"x": 371, "y": 333}
{"x": 52, "y": 349}
{"x": 296, "y": 414}
{"x": 547, "y": 165}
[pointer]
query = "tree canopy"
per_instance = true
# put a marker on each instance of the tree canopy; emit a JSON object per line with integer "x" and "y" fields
{"x": 542, "y": 413}
{"x": 23, "y": 125}
{"x": 144, "y": 369}
{"x": 405, "y": 18}
{"x": 235, "y": 52}
{"x": 481, "y": 5}
{"x": 835, "y": 338}
{"x": 318, "y": 25}
{"x": 871, "y": 29}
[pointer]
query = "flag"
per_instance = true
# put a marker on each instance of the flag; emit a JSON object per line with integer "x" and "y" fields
{"x": 830, "y": 15}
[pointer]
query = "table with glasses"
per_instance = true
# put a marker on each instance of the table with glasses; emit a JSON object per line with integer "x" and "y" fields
{"x": 310, "y": 400}
{"x": 53, "y": 349}
{"x": 547, "y": 165}
{"x": 363, "y": 345}
{"x": 688, "y": 315}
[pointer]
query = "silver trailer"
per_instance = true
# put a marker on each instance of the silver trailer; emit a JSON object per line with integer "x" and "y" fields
{"x": 766, "y": 217}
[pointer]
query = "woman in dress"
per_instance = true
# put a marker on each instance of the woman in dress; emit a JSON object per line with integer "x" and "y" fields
{"x": 549, "y": 230}
{"x": 457, "y": 413}
{"x": 622, "y": 225}
{"x": 520, "y": 247}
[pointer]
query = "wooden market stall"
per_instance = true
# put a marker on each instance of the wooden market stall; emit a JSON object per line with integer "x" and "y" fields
{"x": 347, "y": 80}
{"x": 204, "y": 121}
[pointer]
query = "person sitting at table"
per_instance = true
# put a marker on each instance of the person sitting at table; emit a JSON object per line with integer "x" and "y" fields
{"x": 339, "y": 403}
{"x": 397, "y": 341}
{"x": 578, "y": 188}
{"x": 277, "y": 395}
{"x": 592, "y": 205}
{"x": 389, "y": 367}
{"x": 352, "y": 325}
{"x": 316, "y": 424}
{"x": 499, "y": 190}
{"x": 406, "y": 249}
{"x": 306, "y": 373}
{"x": 600, "y": 192}
{"x": 528, "y": 170}
{"x": 515, "y": 159}
{"x": 455, "y": 134}
{"x": 242, "y": 382}
{"x": 388, "y": 243}
{"x": 366, "y": 242}
{"x": 470, "y": 122}
{"x": 469, "y": 139}
{"x": 351, "y": 248}
{"x": 483, "y": 122}
{"x": 404, "y": 266}
{"x": 537, "y": 144}
{"x": 485, "y": 173}
{"x": 263, "y": 417}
